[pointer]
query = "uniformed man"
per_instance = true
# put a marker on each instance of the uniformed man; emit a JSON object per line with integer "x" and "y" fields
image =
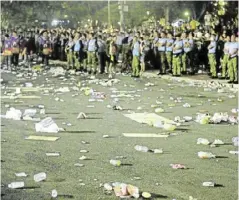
{"x": 187, "y": 50}
{"x": 212, "y": 57}
{"x": 169, "y": 50}
{"x": 233, "y": 60}
{"x": 161, "y": 52}
{"x": 76, "y": 51}
{"x": 69, "y": 52}
{"x": 91, "y": 55}
{"x": 101, "y": 53}
{"x": 136, "y": 58}
{"x": 177, "y": 55}
{"x": 225, "y": 59}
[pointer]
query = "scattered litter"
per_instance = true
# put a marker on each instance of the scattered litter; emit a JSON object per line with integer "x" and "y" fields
{"x": 15, "y": 185}
{"x": 43, "y": 138}
{"x": 148, "y": 84}
{"x": 160, "y": 151}
{"x": 83, "y": 151}
{"x": 206, "y": 155}
{"x": 21, "y": 174}
{"x": 169, "y": 127}
{"x": 14, "y": 114}
{"x": 159, "y": 110}
{"x": 139, "y": 108}
{"x": 57, "y": 99}
{"x": 235, "y": 141}
{"x": 47, "y": 125}
{"x": 217, "y": 142}
{"x": 84, "y": 142}
{"x": 146, "y": 135}
{"x": 7, "y": 106}
{"x": 83, "y": 158}
{"x": 41, "y": 106}
{"x": 203, "y": 118}
{"x": 30, "y": 112}
{"x": 146, "y": 195}
{"x": 117, "y": 107}
{"x": 90, "y": 106}
{"x": 39, "y": 177}
{"x": 28, "y": 85}
{"x": 58, "y": 71}
{"x": 191, "y": 198}
{"x": 63, "y": 89}
{"x": 42, "y": 111}
{"x": 208, "y": 184}
{"x": 81, "y": 115}
{"x": 186, "y": 105}
{"x": 234, "y": 152}
{"x": 187, "y": 118}
{"x": 123, "y": 190}
{"x": 116, "y": 163}
{"x": 203, "y": 141}
{"x": 54, "y": 193}
{"x": 54, "y": 154}
{"x": 79, "y": 165}
{"x": 234, "y": 110}
{"x": 141, "y": 148}
{"x": 178, "y": 166}
{"x": 108, "y": 187}
{"x": 106, "y": 136}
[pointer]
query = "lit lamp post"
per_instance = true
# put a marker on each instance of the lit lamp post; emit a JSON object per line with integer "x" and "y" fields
{"x": 187, "y": 14}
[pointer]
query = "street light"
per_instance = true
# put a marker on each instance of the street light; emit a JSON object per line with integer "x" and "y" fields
{"x": 187, "y": 14}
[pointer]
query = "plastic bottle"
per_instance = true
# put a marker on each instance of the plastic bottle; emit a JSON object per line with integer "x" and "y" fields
{"x": 40, "y": 177}
{"x": 115, "y": 162}
{"x": 141, "y": 148}
{"x": 15, "y": 185}
{"x": 208, "y": 184}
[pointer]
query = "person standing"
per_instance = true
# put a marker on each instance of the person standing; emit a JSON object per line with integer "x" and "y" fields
{"x": 212, "y": 57}
{"x": 69, "y": 52}
{"x": 161, "y": 52}
{"x": 233, "y": 60}
{"x": 177, "y": 55}
{"x": 45, "y": 47}
{"x": 187, "y": 51}
{"x": 83, "y": 52}
{"x": 91, "y": 55}
{"x": 207, "y": 20}
{"x": 101, "y": 53}
{"x": 225, "y": 60}
{"x": 136, "y": 56}
{"x": 169, "y": 50}
{"x": 76, "y": 51}
{"x": 15, "y": 48}
{"x": 7, "y": 51}
{"x": 112, "y": 56}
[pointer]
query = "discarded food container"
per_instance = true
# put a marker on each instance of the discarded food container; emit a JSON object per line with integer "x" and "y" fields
{"x": 206, "y": 155}
{"x": 141, "y": 148}
{"x": 39, "y": 177}
{"x": 115, "y": 162}
{"x": 208, "y": 184}
{"x": 203, "y": 141}
{"x": 235, "y": 141}
{"x": 15, "y": 185}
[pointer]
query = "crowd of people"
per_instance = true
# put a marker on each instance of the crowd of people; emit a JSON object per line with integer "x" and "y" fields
{"x": 172, "y": 51}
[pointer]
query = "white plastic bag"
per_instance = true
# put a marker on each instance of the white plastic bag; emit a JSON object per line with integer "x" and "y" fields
{"x": 47, "y": 125}
{"x": 13, "y": 114}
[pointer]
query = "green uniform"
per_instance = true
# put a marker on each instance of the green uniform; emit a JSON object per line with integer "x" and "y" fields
{"x": 212, "y": 58}
{"x": 136, "y": 59}
{"x": 233, "y": 59}
{"x": 225, "y": 60}
{"x": 177, "y": 57}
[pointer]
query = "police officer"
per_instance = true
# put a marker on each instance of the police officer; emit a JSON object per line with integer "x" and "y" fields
{"x": 225, "y": 59}
{"x": 233, "y": 60}
{"x": 177, "y": 55}
{"x": 161, "y": 52}
{"x": 136, "y": 58}
{"x": 169, "y": 50}
{"x": 91, "y": 55}
{"x": 69, "y": 47}
{"x": 76, "y": 51}
{"x": 212, "y": 57}
{"x": 101, "y": 53}
{"x": 187, "y": 52}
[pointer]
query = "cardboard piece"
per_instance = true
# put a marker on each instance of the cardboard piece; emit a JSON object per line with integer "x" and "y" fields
{"x": 42, "y": 138}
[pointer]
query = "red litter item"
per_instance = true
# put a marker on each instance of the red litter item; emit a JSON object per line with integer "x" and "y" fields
{"x": 178, "y": 166}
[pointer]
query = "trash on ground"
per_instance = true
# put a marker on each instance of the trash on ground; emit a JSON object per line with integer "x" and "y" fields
{"x": 117, "y": 107}
{"x": 57, "y": 71}
{"x": 83, "y": 158}
{"x": 159, "y": 110}
{"x": 63, "y": 89}
{"x": 148, "y": 84}
{"x": 141, "y": 148}
{"x": 206, "y": 155}
{"x": 21, "y": 174}
{"x": 116, "y": 163}
{"x": 235, "y": 141}
{"x": 30, "y": 112}
{"x": 234, "y": 152}
{"x": 14, "y": 114}
{"x": 186, "y": 105}
{"x": 54, "y": 193}
{"x": 208, "y": 184}
{"x": 146, "y": 135}
{"x": 158, "y": 151}
{"x": 15, "y": 185}
{"x": 42, "y": 138}
{"x": 81, "y": 115}
{"x": 53, "y": 154}
{"x": 39, "y": 177}
{"x": 83, "y": 151}
{"x": 178, "y": 166}
{"x": 79, "y": 165}
{"x": 169, "y": 127}
{"x": 187, "y": 118}
{"x": 217, "y": 142}
{"x": 146, "y": 195}
{"x": 42, "y": 111}
{"x": 47, "y": 125}
{"x": 106, "y": 136}
{"x": 203, "y": 141}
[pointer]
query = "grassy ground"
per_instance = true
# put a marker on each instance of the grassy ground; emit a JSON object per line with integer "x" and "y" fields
{"x": 19, "y": 155}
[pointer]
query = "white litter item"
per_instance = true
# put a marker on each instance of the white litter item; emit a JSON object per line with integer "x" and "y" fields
{"x": 57, "y": 99}
{"x": 47, "y": 125}
{"x": 234, "y": 152}
{"x": 21, "y": 174}
{"x": 39, "y": 177}
{"x": 7, "y": 106}
{"x": 235, "y": 141}
{"x": 83, "y": 151}
{"x": 63, "y": 89}
{"x": 81, "y": 115}
{"x": 28, "y": 85}
{"x": 42, "y": 111}
{"x": 186, "y": 105}
{"x": 203, "y": 141}
{"x": 57, "y": 71}
{"x": 18, "y": 91}
{"x": 106, "y": 136}
{"x": 141, "y": 148}
{"x": 15, "y": 185}
{"x": 218, "y": 142}
{"x": 148, "y": 84}
{"x": 187, "y": 118}
{"x": 115, "y": 162}
{"x": 139, "y": 108}
{"x": 41, "y": 106}
{"x": 14, "y": 114}
{"x": 30, "y": 112}
{"x": 169, "y": 127}
{"x": 158, "y": 150}
{"x": 235, "y": 110}
{"x": 202, "y": 118}
{"x": 79, "y": 165}
{"x": 159, "y": 110}
{"x": 55, "y": 154}
{"x": 75, "y": 88}
{"x": 206, "y": 155}
{"x": 108, "y": 187}
{"x": 54, "y": 193}
{"x": 208, "y": 184}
